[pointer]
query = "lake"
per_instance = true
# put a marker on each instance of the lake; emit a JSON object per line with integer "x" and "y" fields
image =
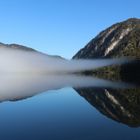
{"x": 67, "y": 107}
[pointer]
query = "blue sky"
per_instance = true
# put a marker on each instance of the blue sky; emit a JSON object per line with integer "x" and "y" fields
{"x": 60, "y": 27}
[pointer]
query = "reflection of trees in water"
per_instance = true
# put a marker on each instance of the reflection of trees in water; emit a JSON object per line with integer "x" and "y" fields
{"x": 130, "y": 72}
{"x": 120, "y": 105}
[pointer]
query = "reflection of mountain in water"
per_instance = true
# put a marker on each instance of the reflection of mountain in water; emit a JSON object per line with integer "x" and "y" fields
{"x": 120, "y": 105}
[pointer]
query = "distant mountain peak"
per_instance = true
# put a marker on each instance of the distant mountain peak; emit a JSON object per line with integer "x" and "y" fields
{"x": 24, "y": 48}
{"x": 133, "y": 19}
{"x": 16, "y": 46}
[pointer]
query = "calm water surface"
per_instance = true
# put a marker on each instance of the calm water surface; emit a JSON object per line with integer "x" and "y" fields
{"x": 89, "y": 113}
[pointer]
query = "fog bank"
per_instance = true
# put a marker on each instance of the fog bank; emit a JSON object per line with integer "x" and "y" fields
{"x": 16, "y": 60}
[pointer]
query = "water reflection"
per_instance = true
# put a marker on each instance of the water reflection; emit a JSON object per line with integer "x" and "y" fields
{"x": 21, "y": 86}
{"x": 116, "y": 100}
{"x": 121, "y": 105}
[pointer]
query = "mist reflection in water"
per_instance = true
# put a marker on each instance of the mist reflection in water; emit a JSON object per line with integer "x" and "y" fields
{"x": 19, "y": 86}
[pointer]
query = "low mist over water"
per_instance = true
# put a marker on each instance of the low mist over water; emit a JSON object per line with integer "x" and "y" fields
{"x": 27, "y": 73}
{"x": 14, "y": 60}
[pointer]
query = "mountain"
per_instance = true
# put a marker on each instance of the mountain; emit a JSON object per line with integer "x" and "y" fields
{"x": 24, "y": 48}
{"x": 121, "y": 39}
{"x": 16, "y": 46}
